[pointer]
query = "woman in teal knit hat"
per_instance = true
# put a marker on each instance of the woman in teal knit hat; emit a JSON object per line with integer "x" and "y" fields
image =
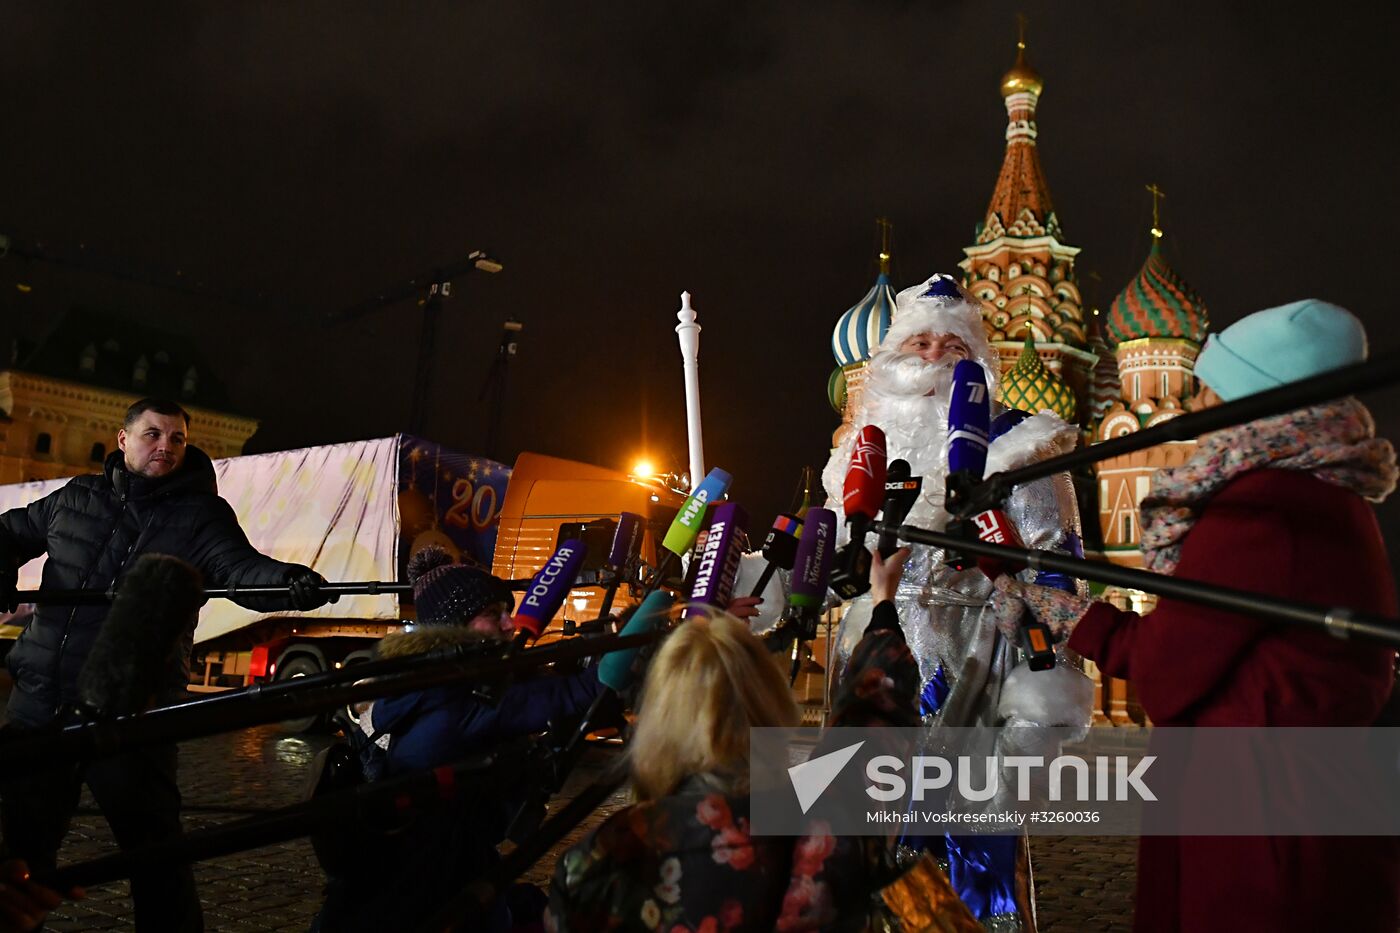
{"x": 1279, "y": 506}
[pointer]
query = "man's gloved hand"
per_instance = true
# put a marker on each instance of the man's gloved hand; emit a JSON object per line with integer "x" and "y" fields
{"x": 9, "y": 589}
{"x": 1058, "y": 610}
{"x": 307, "y": 589}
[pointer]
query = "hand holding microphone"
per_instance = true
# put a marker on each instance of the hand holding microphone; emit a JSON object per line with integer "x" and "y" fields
{"x": 885, "y": 573}
{"x": 1036, "y": 616}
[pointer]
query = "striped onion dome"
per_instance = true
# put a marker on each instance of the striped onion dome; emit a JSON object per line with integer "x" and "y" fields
{"x": 1157, "y": 303}
{"x": 860, "y": 330}
{"x": 1104, "y": 385}
{"x": 1029, "y": 386}
{"x": 836, "y": 389}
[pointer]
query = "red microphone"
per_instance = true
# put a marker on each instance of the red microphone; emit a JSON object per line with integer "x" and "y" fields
{"x": 862, "y": 496}
{"x": 864, "y": 490}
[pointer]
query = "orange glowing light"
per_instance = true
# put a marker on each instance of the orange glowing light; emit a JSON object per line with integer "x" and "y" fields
{"x": 643, "y": 469}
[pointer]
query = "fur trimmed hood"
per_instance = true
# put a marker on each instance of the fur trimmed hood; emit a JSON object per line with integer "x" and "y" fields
{"x": 425, "y": 638}
{"x": 1039, "y": 437}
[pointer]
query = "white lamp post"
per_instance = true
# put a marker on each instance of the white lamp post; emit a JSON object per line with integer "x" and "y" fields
{"x": 689, "y": 334}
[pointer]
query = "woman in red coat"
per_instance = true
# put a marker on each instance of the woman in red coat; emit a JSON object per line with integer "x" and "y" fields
{"x": 1278, "y": 506}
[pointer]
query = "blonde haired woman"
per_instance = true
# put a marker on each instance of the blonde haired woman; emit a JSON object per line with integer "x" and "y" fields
{"x": 682, "y": 857}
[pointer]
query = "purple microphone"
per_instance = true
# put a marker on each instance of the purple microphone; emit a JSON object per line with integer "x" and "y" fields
{"x": 547, "y": 591}
{"x": 718, "y": 564}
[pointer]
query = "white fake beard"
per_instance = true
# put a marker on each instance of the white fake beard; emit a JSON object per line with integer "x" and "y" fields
{"x": 915, "y": 423}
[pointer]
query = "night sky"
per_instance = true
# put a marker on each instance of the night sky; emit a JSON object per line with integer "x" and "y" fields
{"x": 296, "y": 158}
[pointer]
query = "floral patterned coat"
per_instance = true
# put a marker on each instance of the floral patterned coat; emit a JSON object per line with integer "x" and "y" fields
{"x": 687, "y": 863}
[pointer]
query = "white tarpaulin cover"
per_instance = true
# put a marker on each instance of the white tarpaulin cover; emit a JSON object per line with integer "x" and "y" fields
{"x": 333, "y": 508}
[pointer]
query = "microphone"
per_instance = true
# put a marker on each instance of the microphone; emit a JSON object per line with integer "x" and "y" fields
{"x": 547, "y": 591}
{"x": 863, "y": 493}
{"x": 680, "y": 537}
{"x": 779, "y": 548}
{"x": 626, "y": 544}
{"x": 901, "y": 492}
{"x": 812, "y": 570}
{"x": 969, "y": 432}
{"x": 615, "y": 670}
{"x": 969, "y": 427}
{"x": 718, "y": 565}
{"x": 683, "y": 531}
{"x": 627, "y": 540}
{"x": 969, "y": 421}
{"x": 130, "y": 663}
{"x": 810, "y": 577}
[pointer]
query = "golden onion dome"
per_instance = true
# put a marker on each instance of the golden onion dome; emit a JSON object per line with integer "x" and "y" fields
{"x": 1031, "y": 387}
{"x": 1021, "y": 77}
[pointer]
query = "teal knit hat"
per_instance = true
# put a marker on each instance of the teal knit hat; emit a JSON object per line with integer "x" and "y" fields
{"x": 1280, "y": 345}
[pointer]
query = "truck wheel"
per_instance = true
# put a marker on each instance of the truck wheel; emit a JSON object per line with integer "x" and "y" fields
{"x": 295, "y": 669}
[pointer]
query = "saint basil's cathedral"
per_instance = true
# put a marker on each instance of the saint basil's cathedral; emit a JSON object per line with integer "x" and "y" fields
{"x": 1111, "y": 373}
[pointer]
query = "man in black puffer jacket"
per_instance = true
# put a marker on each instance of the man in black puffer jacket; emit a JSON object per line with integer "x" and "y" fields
{"x": 156, "y": 495}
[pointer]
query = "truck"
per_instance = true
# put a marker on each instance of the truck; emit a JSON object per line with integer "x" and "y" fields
{"x": 359, "y": 510}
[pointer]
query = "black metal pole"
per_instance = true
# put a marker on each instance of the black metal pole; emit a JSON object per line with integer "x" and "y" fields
{"x": 966, "y": 501}
{"x": 27, "y": 752}
{"x": 663, "y": 568}
{"x": 372, "y": 807}
{"x": 427, "y": 349}
{"x": 484, "y": 890}
{"x": 90, "y": 597}
{"x": 1339, "y": 622}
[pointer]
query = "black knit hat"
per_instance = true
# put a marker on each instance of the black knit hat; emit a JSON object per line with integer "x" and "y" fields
{"x": 448, "y": 593}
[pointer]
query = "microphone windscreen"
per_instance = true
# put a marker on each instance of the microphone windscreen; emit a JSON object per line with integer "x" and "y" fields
{"x": 969, "y": 420}
{"x": 780, "y": 547}
{"x": 627, "y": 540}
{"x": 615, "y": 670}
{"x": 718, "y": 564}
{"x": 812, "y": 573}
{"x": 130, "y": 662}
{"x": 549, "y": 587}
{"x": 681, "y": 535}
{"x": 865, "y": 479}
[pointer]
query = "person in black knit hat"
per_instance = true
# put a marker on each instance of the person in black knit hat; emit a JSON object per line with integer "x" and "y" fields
{"x": 421, "y": 867}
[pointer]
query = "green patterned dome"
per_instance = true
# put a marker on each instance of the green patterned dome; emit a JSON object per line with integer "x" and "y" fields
{"x": 1157, "y": 303}
{"x": 1031, "y": 387}
{"x": 836, "y": 389}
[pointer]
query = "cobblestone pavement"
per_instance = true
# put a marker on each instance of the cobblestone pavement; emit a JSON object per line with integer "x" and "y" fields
{"x": 1083, "y": 883}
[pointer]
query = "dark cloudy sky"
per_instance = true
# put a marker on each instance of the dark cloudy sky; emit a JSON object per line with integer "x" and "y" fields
{"x": 612, "y": 154}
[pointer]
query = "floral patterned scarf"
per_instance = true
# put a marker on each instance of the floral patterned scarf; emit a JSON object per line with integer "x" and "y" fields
{"x": 1334, "y": 441}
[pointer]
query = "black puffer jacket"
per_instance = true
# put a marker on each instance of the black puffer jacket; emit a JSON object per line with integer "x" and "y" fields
{"x": 92, "y": 529}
